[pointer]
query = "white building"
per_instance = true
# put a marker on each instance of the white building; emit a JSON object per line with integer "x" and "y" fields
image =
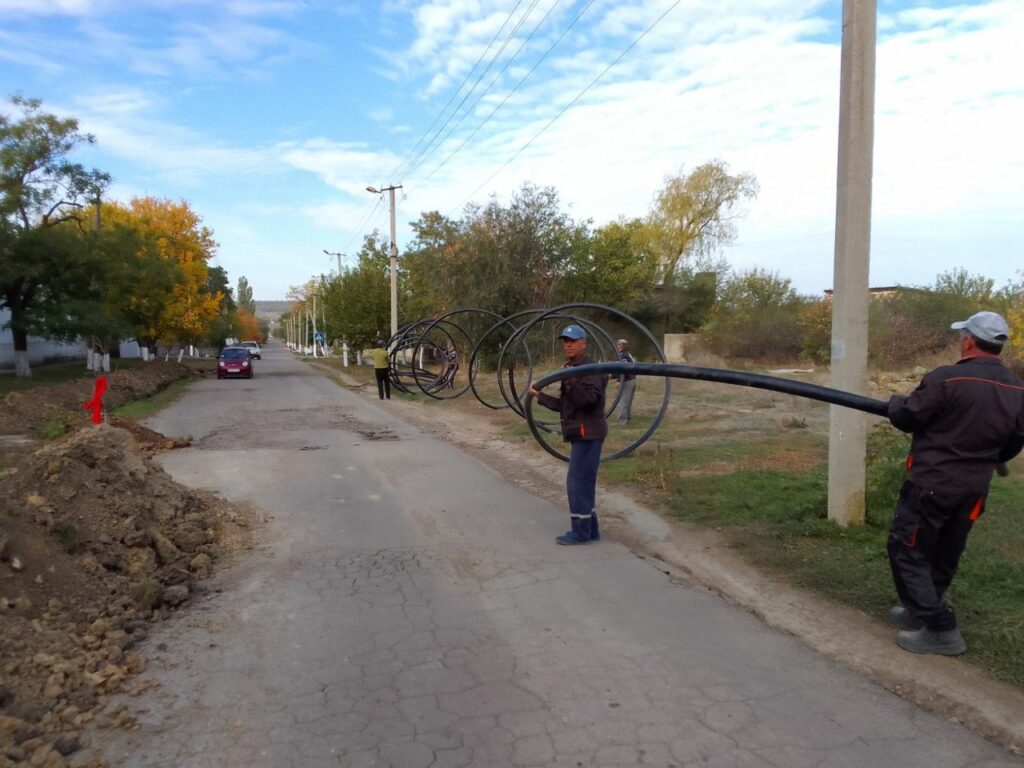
{"x": 38, "y": 349}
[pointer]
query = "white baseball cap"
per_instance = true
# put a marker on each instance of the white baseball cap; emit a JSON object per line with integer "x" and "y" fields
{"x": 987, "y": 326}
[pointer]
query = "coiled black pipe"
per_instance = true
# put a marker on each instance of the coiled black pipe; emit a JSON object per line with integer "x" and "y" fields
{"x": 719, "y": 375}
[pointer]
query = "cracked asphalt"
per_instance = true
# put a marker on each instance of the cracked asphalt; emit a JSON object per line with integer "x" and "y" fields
{"x": 408, "y": 607}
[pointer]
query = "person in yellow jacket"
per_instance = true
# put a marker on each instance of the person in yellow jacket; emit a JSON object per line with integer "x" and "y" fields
{"x": 382, "y": 368}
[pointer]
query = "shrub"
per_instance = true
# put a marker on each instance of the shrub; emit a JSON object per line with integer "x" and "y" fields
{"x": 757, "y": 316}
{"x": 66, "y": 535}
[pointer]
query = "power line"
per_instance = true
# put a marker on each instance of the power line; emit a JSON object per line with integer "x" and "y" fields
{"x": 514, "y": 89}
{"x": 576, "y": 98}
{"x": 356, "y": 231}
{"x": 494, "y": 58}
{"x": 394, "y": 173}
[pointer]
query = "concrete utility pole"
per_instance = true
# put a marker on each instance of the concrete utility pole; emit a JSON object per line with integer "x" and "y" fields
{"x": 847, "y": 442}
{"x": 394, "y": 255}
{"x": 334, "y": 253}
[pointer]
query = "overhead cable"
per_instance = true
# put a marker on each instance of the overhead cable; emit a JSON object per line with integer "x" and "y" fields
{"x": 494, "y": 58}
{"x": 512, "y": 92}
{"x": 412, "y": 152}
{"x": 564, "y": 109}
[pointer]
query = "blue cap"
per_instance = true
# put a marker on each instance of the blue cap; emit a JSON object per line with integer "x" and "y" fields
{"x": 572, "y": 332}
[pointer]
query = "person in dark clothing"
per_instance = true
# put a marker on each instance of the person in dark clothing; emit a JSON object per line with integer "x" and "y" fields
{"x": 580, "y": 404}
{"x": 627, "y": 383}
{"x": 965, "y": 419}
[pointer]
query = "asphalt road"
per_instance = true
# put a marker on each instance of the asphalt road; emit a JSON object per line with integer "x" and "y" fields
{"x": 409, "y": 607}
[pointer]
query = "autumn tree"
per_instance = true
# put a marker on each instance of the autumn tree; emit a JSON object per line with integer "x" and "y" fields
{"x": 175, "y": 234}
{"x": 693, "y": 217}
{"x": 249, "y": 327}
{"x": 42, "y": 197}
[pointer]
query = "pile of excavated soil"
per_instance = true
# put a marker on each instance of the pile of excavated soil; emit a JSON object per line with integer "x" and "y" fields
{"x": 96, "y": 543}
{"x": 29, "y": 411}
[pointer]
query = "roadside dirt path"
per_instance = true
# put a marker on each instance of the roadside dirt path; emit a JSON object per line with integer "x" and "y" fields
{"x": 944, "y": 686}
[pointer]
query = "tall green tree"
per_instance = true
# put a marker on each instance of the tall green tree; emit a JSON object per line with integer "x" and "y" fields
{"x": 517, "y": 254}
{"x": 613, "y": 265}
{"x": 435, "y": 264}
{"x": 245, "y": 299}
{"x": 41, "y": 194}
{"x": 358, "y": 301}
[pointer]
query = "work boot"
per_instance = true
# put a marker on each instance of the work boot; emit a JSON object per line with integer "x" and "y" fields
{"x": 570, "y": 538}
{"x": 901, "y": 617}
{"x": 946, "y": 642}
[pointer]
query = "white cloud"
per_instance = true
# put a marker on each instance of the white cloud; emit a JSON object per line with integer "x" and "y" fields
{"x": 757, "y": 85}
{"x": 124, "y": 126}
{"x": 344, "y": 166}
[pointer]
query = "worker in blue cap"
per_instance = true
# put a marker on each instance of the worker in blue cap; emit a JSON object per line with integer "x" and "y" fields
{"x": 580, "y": 403}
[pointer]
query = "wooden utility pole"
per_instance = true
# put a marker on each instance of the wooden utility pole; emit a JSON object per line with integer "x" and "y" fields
{"x": 847, "y": 442}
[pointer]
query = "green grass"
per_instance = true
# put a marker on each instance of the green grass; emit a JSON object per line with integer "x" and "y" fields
{"x": 55, "y": 373}
{"x": 146, "y": 407}
{"x": 55, "y": 425}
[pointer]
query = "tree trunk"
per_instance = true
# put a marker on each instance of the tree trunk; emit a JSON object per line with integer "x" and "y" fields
{"x": 21, "y": 366}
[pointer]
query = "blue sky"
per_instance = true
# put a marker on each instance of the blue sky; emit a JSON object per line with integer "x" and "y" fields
{"x": 272, "y": 116}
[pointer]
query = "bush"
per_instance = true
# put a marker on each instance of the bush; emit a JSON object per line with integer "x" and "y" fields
{"x": 66, "y": 535}
{"x": 758, "y": 315}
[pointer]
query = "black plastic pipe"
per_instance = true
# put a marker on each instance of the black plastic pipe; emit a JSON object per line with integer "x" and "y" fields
{"x": 698, "y": 373}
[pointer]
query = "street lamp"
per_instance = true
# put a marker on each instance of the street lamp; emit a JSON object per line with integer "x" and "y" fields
{"x": 394, "y": 255}
{"x": 335, "y": 253}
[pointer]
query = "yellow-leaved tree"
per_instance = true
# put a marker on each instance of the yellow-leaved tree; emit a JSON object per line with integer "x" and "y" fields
{"x": 185, "y": 312}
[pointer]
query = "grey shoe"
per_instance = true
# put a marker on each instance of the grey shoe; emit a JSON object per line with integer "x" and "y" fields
{"x": 948, "y": 642}
{"x": 901, "y": 617}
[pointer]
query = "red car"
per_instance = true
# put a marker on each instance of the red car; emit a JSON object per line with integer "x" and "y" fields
{"x": 234, "y": 362}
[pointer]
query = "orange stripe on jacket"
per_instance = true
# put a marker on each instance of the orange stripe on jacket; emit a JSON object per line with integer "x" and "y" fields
{"x": 978, "y": 506}
{"x": 986, "y": 381}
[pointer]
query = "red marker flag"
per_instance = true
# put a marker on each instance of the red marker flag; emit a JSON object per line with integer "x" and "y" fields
{"x": 96, "y": 404}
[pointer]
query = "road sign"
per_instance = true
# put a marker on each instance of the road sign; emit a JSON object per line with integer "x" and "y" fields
{"x": 319, "y": 336}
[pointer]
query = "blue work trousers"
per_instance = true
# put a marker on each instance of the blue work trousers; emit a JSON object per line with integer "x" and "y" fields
{"x": 581, "y": 484}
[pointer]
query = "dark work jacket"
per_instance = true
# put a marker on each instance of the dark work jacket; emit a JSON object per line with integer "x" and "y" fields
{"x": 625, "y": 357}
{"x": 965, "y": 418}
{"x": 581, "y": 405}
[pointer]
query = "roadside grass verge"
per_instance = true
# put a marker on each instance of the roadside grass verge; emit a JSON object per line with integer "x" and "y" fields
{"x": 56, "y": 373}
{"x": 148, "y": 406}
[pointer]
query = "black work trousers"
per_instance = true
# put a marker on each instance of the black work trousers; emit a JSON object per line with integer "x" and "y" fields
{"x": 927, "y": 536}
{"x": 383, "y": 382}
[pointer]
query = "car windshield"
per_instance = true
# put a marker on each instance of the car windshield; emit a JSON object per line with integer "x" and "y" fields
{"x": 248, "y": 343}
{"x": 235, "y": 353}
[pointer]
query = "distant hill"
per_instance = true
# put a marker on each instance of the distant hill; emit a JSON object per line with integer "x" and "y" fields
{"x": 272, "y": 310}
